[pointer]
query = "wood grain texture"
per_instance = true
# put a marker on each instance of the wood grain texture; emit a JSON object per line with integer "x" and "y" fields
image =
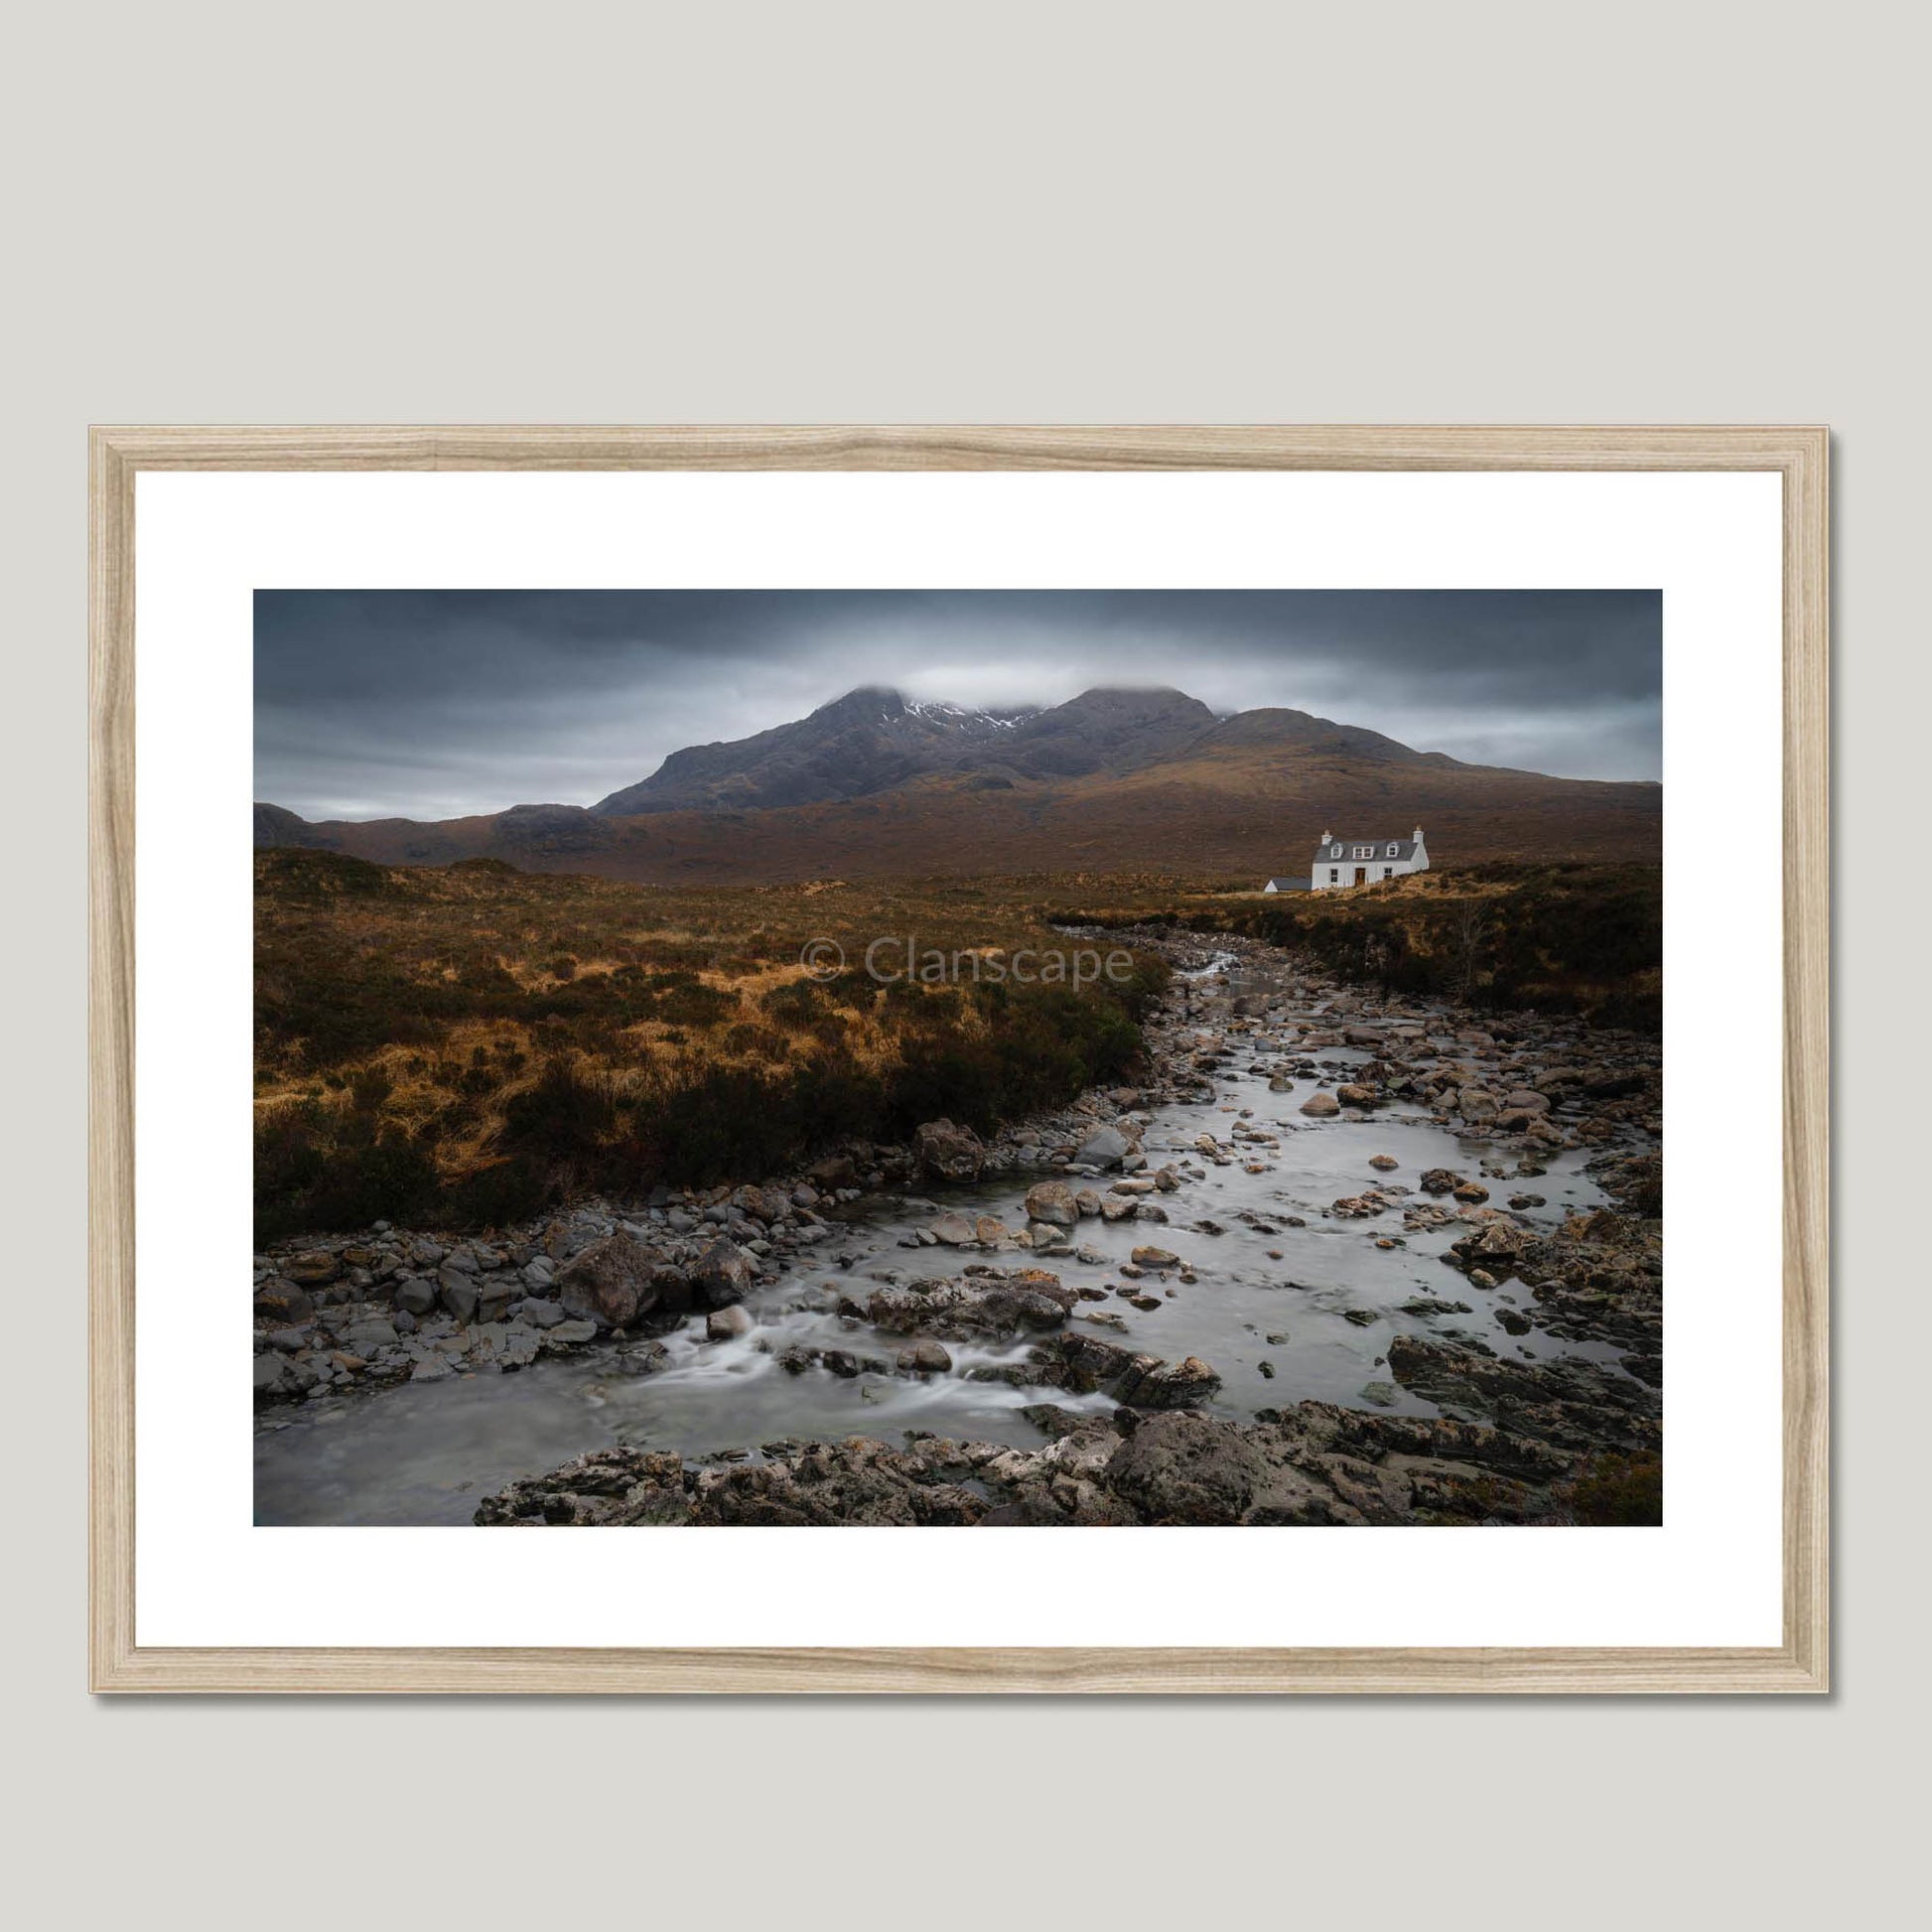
{"x": 110, "y": 1061}
{"x": 1799, "y": 1664}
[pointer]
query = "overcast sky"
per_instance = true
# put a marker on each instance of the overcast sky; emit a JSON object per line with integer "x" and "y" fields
{"x": 436, "y": 703}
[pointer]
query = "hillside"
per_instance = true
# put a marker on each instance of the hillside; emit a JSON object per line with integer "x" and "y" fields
{"x": 873, "y": 786}
{"x": 471, "y": 1043}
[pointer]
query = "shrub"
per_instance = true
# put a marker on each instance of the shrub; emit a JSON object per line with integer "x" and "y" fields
{"x": 562, "y": 1115}
{"x": 321, "y": 1167}
{"x": 1620, "y": 1490}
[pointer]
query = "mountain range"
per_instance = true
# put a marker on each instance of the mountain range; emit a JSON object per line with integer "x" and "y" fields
{"x": 875, "y": 784}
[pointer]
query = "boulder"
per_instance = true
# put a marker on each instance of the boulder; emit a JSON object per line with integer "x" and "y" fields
{"x": 282, "y": 1301}
{"x": 1107, "y": 1146}
{"x": 1321, "y": 1106}
{"x": 723, "y": 1274}
{"x": 313, "y": 1268}
{"x": 1174, "y": 1385}
{"x": 1187, "y": 1469}
{"x": 611, "y": 1281}
{"x": 414, "y": 1296}
{"x": 955, "y": 1230}
{"x": 727, "y": 1323}
{"x": 768, "y": 1204}
{"x": 924, "y": 1359}
{"x": 833, "y": 1172}
{"x": 1155, "y": 1258}
{"x": 1053, "y": 1202}
{"x": 456, "y": 1292}
{"x": 947, "y": 1152}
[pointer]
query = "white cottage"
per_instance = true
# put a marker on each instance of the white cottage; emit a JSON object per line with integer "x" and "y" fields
{"x": 1341, "y": 863}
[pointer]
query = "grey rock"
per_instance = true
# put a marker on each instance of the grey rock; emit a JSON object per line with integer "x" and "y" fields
{"x": 414, "y": 1296}
{"x": 723, "y": 1274}
{"x": 520, "y": 1347}
{"x": 727, "y": 1323}
{"x": 1053, "y": 1202}
{"x": 282, "y": 1301}
{"x": 1105, "y": 1148}
{"x": 611, "y": 1281}
{"x": 948, "y": 1151}
{"x": 456, "y": 1292}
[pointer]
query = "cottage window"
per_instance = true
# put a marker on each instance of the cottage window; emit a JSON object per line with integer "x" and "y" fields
{"x": 1364, "y": 851}
{"x": 1388, "y": 872}
{"x": 1391, "y": 848}
{"x": 1335, "y": 874}
{"x": 1334, "y": 852}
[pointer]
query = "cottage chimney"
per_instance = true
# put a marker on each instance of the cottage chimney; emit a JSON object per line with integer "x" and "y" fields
{"x": 1418, "y": 835}
{"x": 1326, "y": 835}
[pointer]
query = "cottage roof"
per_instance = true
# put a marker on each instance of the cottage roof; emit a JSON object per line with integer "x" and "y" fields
{"x": 1377, "y": 849}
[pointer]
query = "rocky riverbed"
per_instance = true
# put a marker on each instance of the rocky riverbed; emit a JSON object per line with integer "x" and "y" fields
{"x": 1334, "y": 1258}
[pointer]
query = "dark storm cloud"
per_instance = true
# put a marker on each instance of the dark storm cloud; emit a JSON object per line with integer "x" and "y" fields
{"x": 433, "y": 704}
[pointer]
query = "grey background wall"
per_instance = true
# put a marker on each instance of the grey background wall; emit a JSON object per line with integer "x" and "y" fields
{"x": 1032, "y": 212}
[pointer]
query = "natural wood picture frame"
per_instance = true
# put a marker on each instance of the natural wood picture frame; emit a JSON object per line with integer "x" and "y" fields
{"x": 1799, "y": 455}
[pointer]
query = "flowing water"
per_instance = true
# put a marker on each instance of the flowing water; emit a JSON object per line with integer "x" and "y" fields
{"x": 1267, "y": 1292}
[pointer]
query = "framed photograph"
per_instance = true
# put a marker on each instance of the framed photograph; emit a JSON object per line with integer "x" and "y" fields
{"x": 1114, "y": 1060}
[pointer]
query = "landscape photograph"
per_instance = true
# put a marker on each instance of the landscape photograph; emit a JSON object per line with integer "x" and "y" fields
{"x": 958, "y": 1059}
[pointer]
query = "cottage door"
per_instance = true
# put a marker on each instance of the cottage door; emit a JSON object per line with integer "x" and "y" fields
{"x": 1362, "y": 875}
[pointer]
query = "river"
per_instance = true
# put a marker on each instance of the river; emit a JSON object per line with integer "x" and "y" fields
{"x": 1266, "y": 1293}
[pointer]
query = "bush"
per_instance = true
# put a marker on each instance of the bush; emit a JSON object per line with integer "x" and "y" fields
{"x": 319, "y": 1167}
{"x": 376, "y": 985}
{"x": 561, "y": 1116}
{"x": 1565, "y": 939}
{"x": 1624, "y": 1492}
